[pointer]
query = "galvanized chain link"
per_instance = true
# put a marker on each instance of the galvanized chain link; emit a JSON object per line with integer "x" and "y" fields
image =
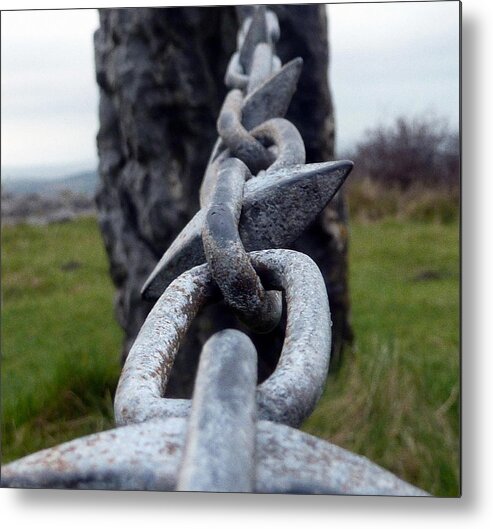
{"x": 274, "y": 143}
{"x": 288, "y": 395}
{"x": 228, "y": 261}
{"x": 257, "y": 194}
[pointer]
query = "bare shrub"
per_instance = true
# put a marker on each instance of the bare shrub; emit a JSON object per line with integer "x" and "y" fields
{"x": 420, "y": 151}
{"x": 409, "y": 170}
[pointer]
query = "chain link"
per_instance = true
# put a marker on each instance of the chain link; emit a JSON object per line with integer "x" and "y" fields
{"x": 223, "y": 416}
{"x": 272, "y": 144}
{"x": 228, "y": 261}
{"x": 289, "y": 395}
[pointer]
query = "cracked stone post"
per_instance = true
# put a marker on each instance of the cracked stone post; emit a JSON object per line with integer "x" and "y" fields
{"x": 160, "y": 73}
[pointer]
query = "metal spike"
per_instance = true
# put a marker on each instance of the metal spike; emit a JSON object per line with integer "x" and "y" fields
{"x": 276, "y": 209}
{"x": 271, "y": 99}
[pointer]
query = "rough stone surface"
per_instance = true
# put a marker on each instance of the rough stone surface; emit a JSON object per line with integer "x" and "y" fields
{"x": 161, "y": 78}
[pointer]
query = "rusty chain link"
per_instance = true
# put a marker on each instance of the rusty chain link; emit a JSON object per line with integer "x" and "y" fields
{"x": 288, "y": 395}
{"x": 228, "y": 261}
{"x": 257, "y": 196}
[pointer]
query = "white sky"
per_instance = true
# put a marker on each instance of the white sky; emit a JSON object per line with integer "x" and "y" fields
{"x": 386, "y": 60}
{"x": 49, "y": 93}
{"x": 393, "y": 59}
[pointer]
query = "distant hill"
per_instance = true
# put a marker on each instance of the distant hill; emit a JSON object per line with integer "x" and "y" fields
{"x": 81, "y": 182}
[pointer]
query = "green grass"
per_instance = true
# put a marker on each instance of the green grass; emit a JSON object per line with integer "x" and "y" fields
{"x": 395, "y": 399}
{"x": 370, "y": 200}
{"x": 60, "y": 343}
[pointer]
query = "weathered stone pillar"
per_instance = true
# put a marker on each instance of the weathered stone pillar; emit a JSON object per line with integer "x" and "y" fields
{"x": 160, "y": 73}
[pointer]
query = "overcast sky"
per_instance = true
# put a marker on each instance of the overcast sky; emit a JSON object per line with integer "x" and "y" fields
{"x": 393, "y": 59}
{"x": 387, "y": 60}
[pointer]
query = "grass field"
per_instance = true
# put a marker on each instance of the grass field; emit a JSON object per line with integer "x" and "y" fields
{"x": 396, "y": 399}
{"x": 60, "y": 343}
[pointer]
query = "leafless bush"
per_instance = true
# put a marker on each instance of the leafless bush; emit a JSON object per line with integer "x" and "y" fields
{"x": 420, "y": 151}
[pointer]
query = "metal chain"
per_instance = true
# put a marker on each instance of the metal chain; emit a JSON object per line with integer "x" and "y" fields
{"x": 257, "y": 194}
{"x": 228, "y": 261}
{"x": 274, "y": 143}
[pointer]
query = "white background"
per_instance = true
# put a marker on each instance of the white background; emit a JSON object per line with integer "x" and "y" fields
{"x": 70, "y": 509}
